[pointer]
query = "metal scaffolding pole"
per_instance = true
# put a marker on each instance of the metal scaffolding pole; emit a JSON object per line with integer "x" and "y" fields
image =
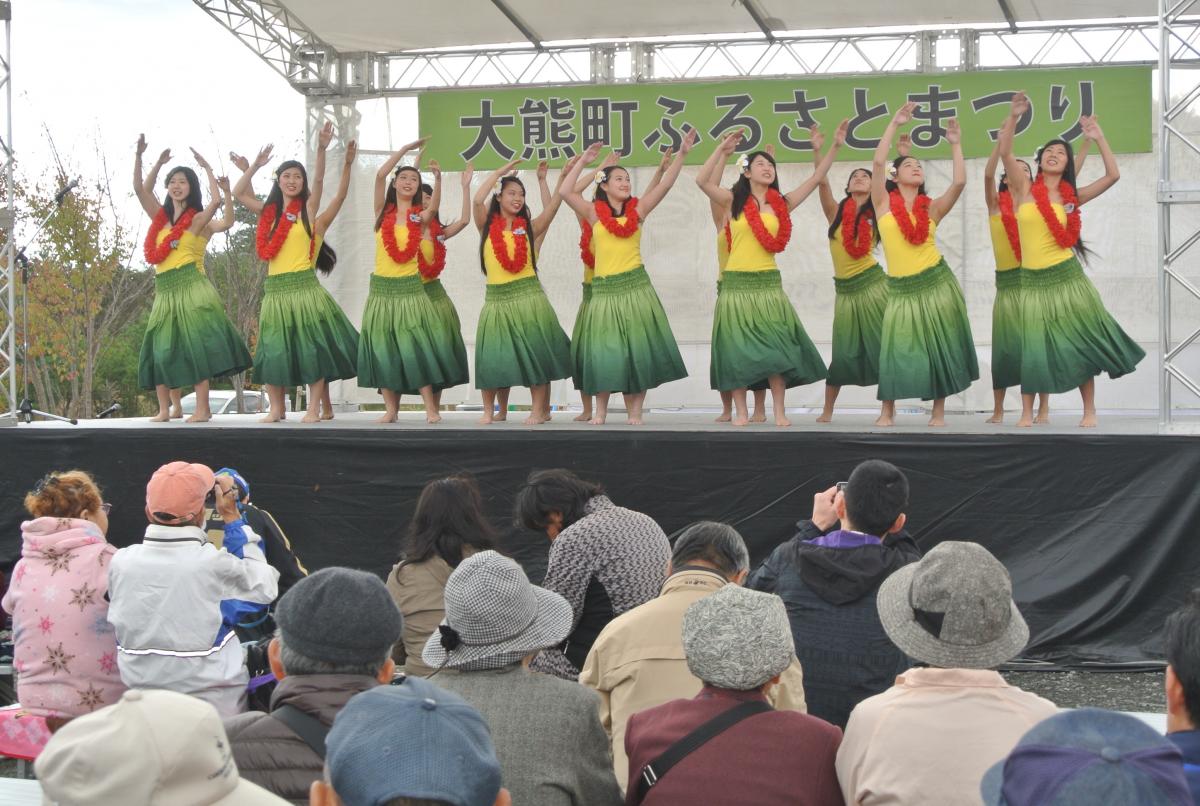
{"x": 8, "y": 276}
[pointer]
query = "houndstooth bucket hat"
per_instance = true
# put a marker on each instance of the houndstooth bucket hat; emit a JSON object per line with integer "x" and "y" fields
{"x": 494, "y": 617}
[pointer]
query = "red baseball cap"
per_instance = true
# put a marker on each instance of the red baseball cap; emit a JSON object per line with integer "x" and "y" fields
{"x": 176, "y": 492}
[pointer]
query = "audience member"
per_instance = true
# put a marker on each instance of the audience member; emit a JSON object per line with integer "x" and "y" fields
{"x": 604, "y": 559}
{"x": 737, "y": 641}
{"x": 1182, "y": 641}
{"x": 1089, "y": 757}
{"x": 167, "y": 591}
{"x": 638, "y": 661}
{"x": 152, "y": 748}
{"x": 336, "y": 630}
{"x": 447, "y": 526}
{"x": 828, "y": 577}
{"x": 547, "y": 731}
{"x": 410, "y": 745}
{"x": 65, "y": 652}
{"x": 952, "y": 610}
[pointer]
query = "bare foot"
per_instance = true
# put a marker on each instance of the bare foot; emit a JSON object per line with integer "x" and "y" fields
{"x": 596, "y": 420}
{"x": 176, "y": 414}
{"x": 758, "y": 417}
{"x": 740, "y": 421}
{"x": 327, "y": 416}
{"x": 1025, "y": 422}
{"x": 724, "y": 418}
{"x": 270, "y": 418}
{"x": 433, "y": 418}
{"x": 583, "y": 418}
{"x": 1089, "y": 420}
{"x": 885, "y": 421}
{"x": 534, "y": 419}
{"x": 937, "y": 422}
{"x": 500, "y": 416}
{"x": 634, "y": 421}
{"x": 825, "y": 418}
{"x": 386, "y": 417}
{"x": 549, "y": 416}
{"x": 1042, "y": 419}
{"x": 161, "y": 417}
{"x": 199, "y": 417}
{"x": 311, "y": 418}
{"x": 782, "y": 422}
{"x": 998, "y": 417}
{"x": 486, "y": 419}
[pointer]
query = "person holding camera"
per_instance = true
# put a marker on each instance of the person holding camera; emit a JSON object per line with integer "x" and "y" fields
{"x": 166, "y": 592}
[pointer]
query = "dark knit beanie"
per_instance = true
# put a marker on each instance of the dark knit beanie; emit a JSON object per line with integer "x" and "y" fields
{"x": 340, "y": 616}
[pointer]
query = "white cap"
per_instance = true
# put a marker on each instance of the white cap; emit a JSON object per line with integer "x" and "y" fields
{"x": 151, "y": 747}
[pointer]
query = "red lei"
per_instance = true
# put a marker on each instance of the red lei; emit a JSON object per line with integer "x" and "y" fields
{"x": 772, "y": 243}
{"x": 915, "y": 234}
{"x": 585, "y": 244}
{"x": 516, "y": 263}
{"x": 155, "y": 252}
{"x": 604, "y": 213}
{"x": 1009, "y": 219}
{"x": 1067, "y": 236}
{"x": 387, "y": 230}
{"x": 856, "y": 244}
{"x": 433, "y": 270}
{"x": 269, "y": 243}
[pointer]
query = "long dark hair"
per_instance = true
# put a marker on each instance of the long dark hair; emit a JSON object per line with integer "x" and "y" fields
{"x": 558, "y": 490}
{"x": 326, "y": 257}
{"x": 494, "y": 210}
{"x": 891, "y": 185}
{"x": 193, "y": 202}
{"x": 1068, "y": 176}
{"x": 602, "y": 195}
{"x": 418, "y": 199}
{"x": 867, "y": 209}
{"x": 741, "y": 188}
{"x": 1004, "y": 178}
{"x": 449, "y": 517}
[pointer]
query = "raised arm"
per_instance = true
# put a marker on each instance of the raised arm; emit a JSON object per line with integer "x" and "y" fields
{"x": 450, "y": 230}
{"x": 587, "y": 178}
{"x": 709, "y": 178}
{"x": 325, "y": 218}
{"x": 1081, "y": 155}
{"x": 989, "y": 180}
{"x": 572, "y": 188}
{"x": 661, "y": 170}
{"x": 879, "y": 194}
{"x": 144, "y": 188}
{"x": 1018, "y": 183}
{"x": 709, "y": 172}
{"x": 794, "y": 197}
{"x": 542, "y": 223}
{"x": 227, "y": 218}
{"x": 479, "y": 203}
{"x": 385, "y": 170}
{"x": 243, "y": 191}
{"x": 435, "y": 200}
{"x": 944, "y": 203}
{"x": 203, "y": 218}
{"x": 654, "y": 195}
{"x": 1091, "y": 130}
{"x": 316, "y": 182}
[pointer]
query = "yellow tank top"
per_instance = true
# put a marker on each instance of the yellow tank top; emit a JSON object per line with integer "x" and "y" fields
{"x": 427, "y": 251}
{"x": 1006, "y": 258}
{"x": 615, "y": 255}
{"x": 190, "y": 250}
{"x": 746, "y": 253}
{"x": 293, "y": 255}
{"x": 904, "y": 259}
{"x": 497, "y": 274}
{"x": 845, "y": 266}
{"x": 722, "y": 252}
{"x": 384, "y": 265}
{"x": 1039, "y": 250}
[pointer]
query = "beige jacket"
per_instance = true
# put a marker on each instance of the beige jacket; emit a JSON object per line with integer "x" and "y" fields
{"x": 930, "y": 737}
{"x": 637, "y": 661}
{"x": 418, "y": 589}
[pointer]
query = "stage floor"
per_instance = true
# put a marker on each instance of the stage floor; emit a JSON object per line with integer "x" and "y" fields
{"x": 908, "y": 422}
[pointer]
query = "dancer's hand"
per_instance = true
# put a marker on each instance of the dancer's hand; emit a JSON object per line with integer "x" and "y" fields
{"x": 953, "y": 133}
{"x": 1091, "y": 127}
{"x": 730, "y": 142}
{"x": 414, "y": 144}
{"x": 839, "y": 134}
{"x": 612, "y": 159}
{"x": 264, "y": 155}
{"x": 468, "y": 171}
{"x": 665, "y": 162}
{"x": 1019, "y": 106}
{"x": 436, "y": 169}
{"x": 905, "y": 113}
{"x": 141, "y": 145}
{"x": 904, "y": 145}
{"x": 770, "y": 149}
{"x": 351, "y": 152}
{"x": 223, "y": 184}
{"x": 326, "y": 136}
{"x": 164, "y": 157}
{"x": 591, "y": 152}
{"x": 203, "y": 163}
{"x": 239, "y": 162}
{"x": 689, "y": 140}
{"x": 543, "y": 169}
{"x": 816, "y": 136}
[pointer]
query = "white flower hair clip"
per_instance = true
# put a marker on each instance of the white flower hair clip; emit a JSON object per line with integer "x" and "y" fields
{"x": 600, "y": 177}
{"x": 743, "y": 163}
{"x": 498, "y": 186}
{"x": 891, "y": 171}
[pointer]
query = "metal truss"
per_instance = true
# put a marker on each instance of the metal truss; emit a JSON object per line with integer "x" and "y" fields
{"x": 8, "y": 298}
{"x": 1178, "y": 92}
{"x": 316, "y": 69}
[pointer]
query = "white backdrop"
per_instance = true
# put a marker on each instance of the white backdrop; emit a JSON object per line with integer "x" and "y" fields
{"x": 678, "y": 246}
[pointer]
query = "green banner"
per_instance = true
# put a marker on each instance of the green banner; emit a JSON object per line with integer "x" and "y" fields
{"x": 490, "y": 127}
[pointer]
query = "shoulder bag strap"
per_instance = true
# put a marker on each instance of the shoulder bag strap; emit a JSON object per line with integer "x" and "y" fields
{"x": 308, "y": 728}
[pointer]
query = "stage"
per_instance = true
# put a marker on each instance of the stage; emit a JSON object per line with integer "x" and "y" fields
{"x": 1097, "y": 527}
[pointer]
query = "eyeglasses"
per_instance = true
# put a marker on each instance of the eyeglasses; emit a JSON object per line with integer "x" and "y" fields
{"x": 106, "y": 508}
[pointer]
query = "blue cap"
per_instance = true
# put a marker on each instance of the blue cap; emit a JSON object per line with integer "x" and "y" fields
{"x": 412, "y": 740}
{"x": 238, "y": 479}
{"x": 1085, "y": 757}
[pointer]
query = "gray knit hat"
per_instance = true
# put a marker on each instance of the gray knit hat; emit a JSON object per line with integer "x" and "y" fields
{"x": 339, "y": 616}
{"x": 494, "y": 616}
{"x": 737, "y": 639}
{"x": 953, "y": 609}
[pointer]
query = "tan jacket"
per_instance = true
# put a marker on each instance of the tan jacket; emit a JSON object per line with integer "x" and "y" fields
{"x": 637, "y": 661}
{"x": 930, "y": 738}
{"x": 419, "y": 589}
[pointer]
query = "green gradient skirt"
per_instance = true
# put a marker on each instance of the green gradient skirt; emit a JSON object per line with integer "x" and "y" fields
{"x": 857, "y": 328}
{"x": 577, "y": 335}
{"x": 1067, "y": 336}
{"x": 625, "y": 342}
{"x": 398, "y": 348}
{"x": 449, "y": 332}
{"x": 927, "y": 349}
{"x": 518, "y": 341}
{"x": 188, "y": 337}
{"x": 756, "y": 334}
{"x": 1006, "y": 330}
{"x": 303, "y": 336}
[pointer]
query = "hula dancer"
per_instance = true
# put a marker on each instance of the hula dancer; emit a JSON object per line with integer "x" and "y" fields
{"x": 756, "y": 332}
{"x": 397, "y": 350}
{"x": 189, "y": 339}
{"x": 303, "y": 336}
{"x": 626, "y": 342}
{"x": 518, "y": 340}
{"x": 1067, "y": 336}
{"x": 926, "y": 350}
